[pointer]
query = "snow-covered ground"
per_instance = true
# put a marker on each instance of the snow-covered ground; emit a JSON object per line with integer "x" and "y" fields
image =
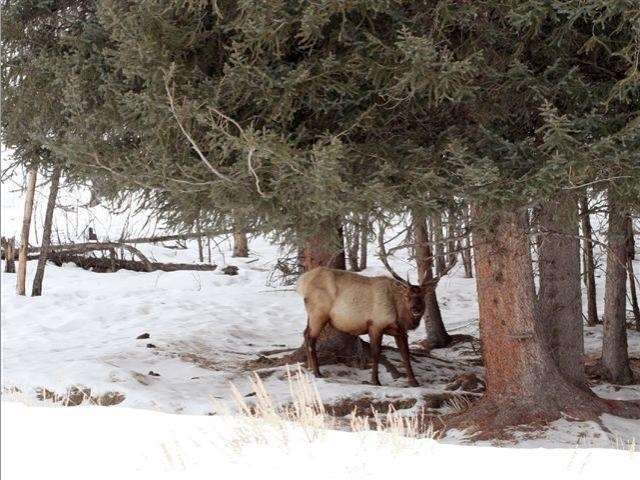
{"x": 205, "y": 330}
{"x": 100, "y": 442}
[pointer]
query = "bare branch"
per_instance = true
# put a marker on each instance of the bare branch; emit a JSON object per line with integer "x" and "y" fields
{"x": 195, "y": 146}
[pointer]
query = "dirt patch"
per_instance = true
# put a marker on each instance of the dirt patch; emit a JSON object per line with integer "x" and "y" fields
{"x": 366, "y": 406}
{"x": 78, "y": 395}
{"x": 199, "y": 360}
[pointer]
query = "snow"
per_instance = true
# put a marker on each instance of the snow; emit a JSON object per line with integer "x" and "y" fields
{"x": 116, "y": 442}
{"x": 205, "y": 327}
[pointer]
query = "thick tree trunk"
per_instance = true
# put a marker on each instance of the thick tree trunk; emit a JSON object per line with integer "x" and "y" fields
{"x": 615, "y": 358}
{"x": 36, "y": 289}
{"x": 589, "y": 267}
{"x": 326, "y": 250}
{"x": 437, "y": 336}
{"x": 523, "y": 383}
{"x": 436, "y": 222}
{"x": 9, "y": 252}
{"x": 560, "y": 296}
{"x": 631, "y": 255}
{"x": 21, "y": 276}
{"x": 240, "y": 243}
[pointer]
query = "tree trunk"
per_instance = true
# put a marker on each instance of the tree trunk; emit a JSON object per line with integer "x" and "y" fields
{"x": 589, "y": 267}
{"x": 46, "y": 233}
{"x": 560, "y": 296}
{"x": 615, "y": 358}
{"x": 9, "y": 250}
{"x": 523, "y": 383}
{"x": 199, "y": 240}
{"x": 240, "y": 243}
{"x": 465, "y": 244}
{"x": 24, "y": 237}
{"x": 325, "y": 250}
{"x": 352, "y": 239}
{"x": 437, "y": 336}
{"x": 631, "y": 255}
{"x": 452, "y": 226}
{"x": 364, "y": 240}
{"x": 436, "y": 221}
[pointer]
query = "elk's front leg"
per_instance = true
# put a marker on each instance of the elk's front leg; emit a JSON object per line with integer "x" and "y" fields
{"x": 375, "y": 339}
{"x": 403, "y": 345}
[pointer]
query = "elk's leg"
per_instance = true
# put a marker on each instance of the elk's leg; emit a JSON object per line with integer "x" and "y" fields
{"x": 403, "y": 345}
{"x": 311, "y": 334}
{"x": 375, "y": 339}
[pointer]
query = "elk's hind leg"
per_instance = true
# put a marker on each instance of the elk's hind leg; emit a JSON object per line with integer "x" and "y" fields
{"x": 403, "y": 345}
{"x": 375, "y": 339}
{"x": 311, "y": 334}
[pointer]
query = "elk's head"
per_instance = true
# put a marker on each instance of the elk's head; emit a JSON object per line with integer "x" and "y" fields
{"x": 414, "y": 296}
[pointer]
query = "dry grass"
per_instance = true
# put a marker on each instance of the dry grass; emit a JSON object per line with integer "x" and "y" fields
{"x": 265, "y": 421}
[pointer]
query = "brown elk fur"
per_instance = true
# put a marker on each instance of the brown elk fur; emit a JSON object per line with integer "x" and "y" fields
{"x": 357, "y": 304}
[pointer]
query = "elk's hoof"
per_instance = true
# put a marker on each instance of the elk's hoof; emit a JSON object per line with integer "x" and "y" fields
{"x": 414, "y": 383}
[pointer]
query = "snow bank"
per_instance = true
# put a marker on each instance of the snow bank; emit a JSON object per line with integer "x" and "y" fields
{"x": 99, "y": 442}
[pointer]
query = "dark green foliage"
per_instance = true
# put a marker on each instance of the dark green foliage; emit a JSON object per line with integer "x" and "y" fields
{"x": 316, "y": 110}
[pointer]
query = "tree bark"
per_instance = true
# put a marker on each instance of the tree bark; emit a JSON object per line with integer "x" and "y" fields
{"x": 9, "y": 252}
{"x": 436, "y": 222}
{"x": 615, "y": 358}
{"x": 589, "y": 267}
{"x": 560, "y": 296}
{"x": 523, "y": 383}
{"x": 326, "y": 250}
{"x": 437, "y": 336}
{"x": 240, "y": 243}
{"x": 36, "y": 289}
{"x": 631, "y": 255}
{"x": 21, "y": 276}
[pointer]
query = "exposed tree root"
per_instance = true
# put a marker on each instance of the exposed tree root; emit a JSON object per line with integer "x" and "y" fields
{"x": 453, "y": 340}
{"x": 492, "y": 418}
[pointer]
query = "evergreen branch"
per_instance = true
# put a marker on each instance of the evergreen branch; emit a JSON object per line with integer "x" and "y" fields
{"x": 195, "y": 146}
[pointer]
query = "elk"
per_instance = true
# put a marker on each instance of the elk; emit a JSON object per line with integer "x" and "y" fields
{"x": 357, "y": 304}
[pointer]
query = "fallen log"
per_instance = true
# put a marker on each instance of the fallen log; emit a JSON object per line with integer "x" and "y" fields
{"x": 111, "y": 264}
{"x": 179, "y": 236}
{"x": 103, "y": 246}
